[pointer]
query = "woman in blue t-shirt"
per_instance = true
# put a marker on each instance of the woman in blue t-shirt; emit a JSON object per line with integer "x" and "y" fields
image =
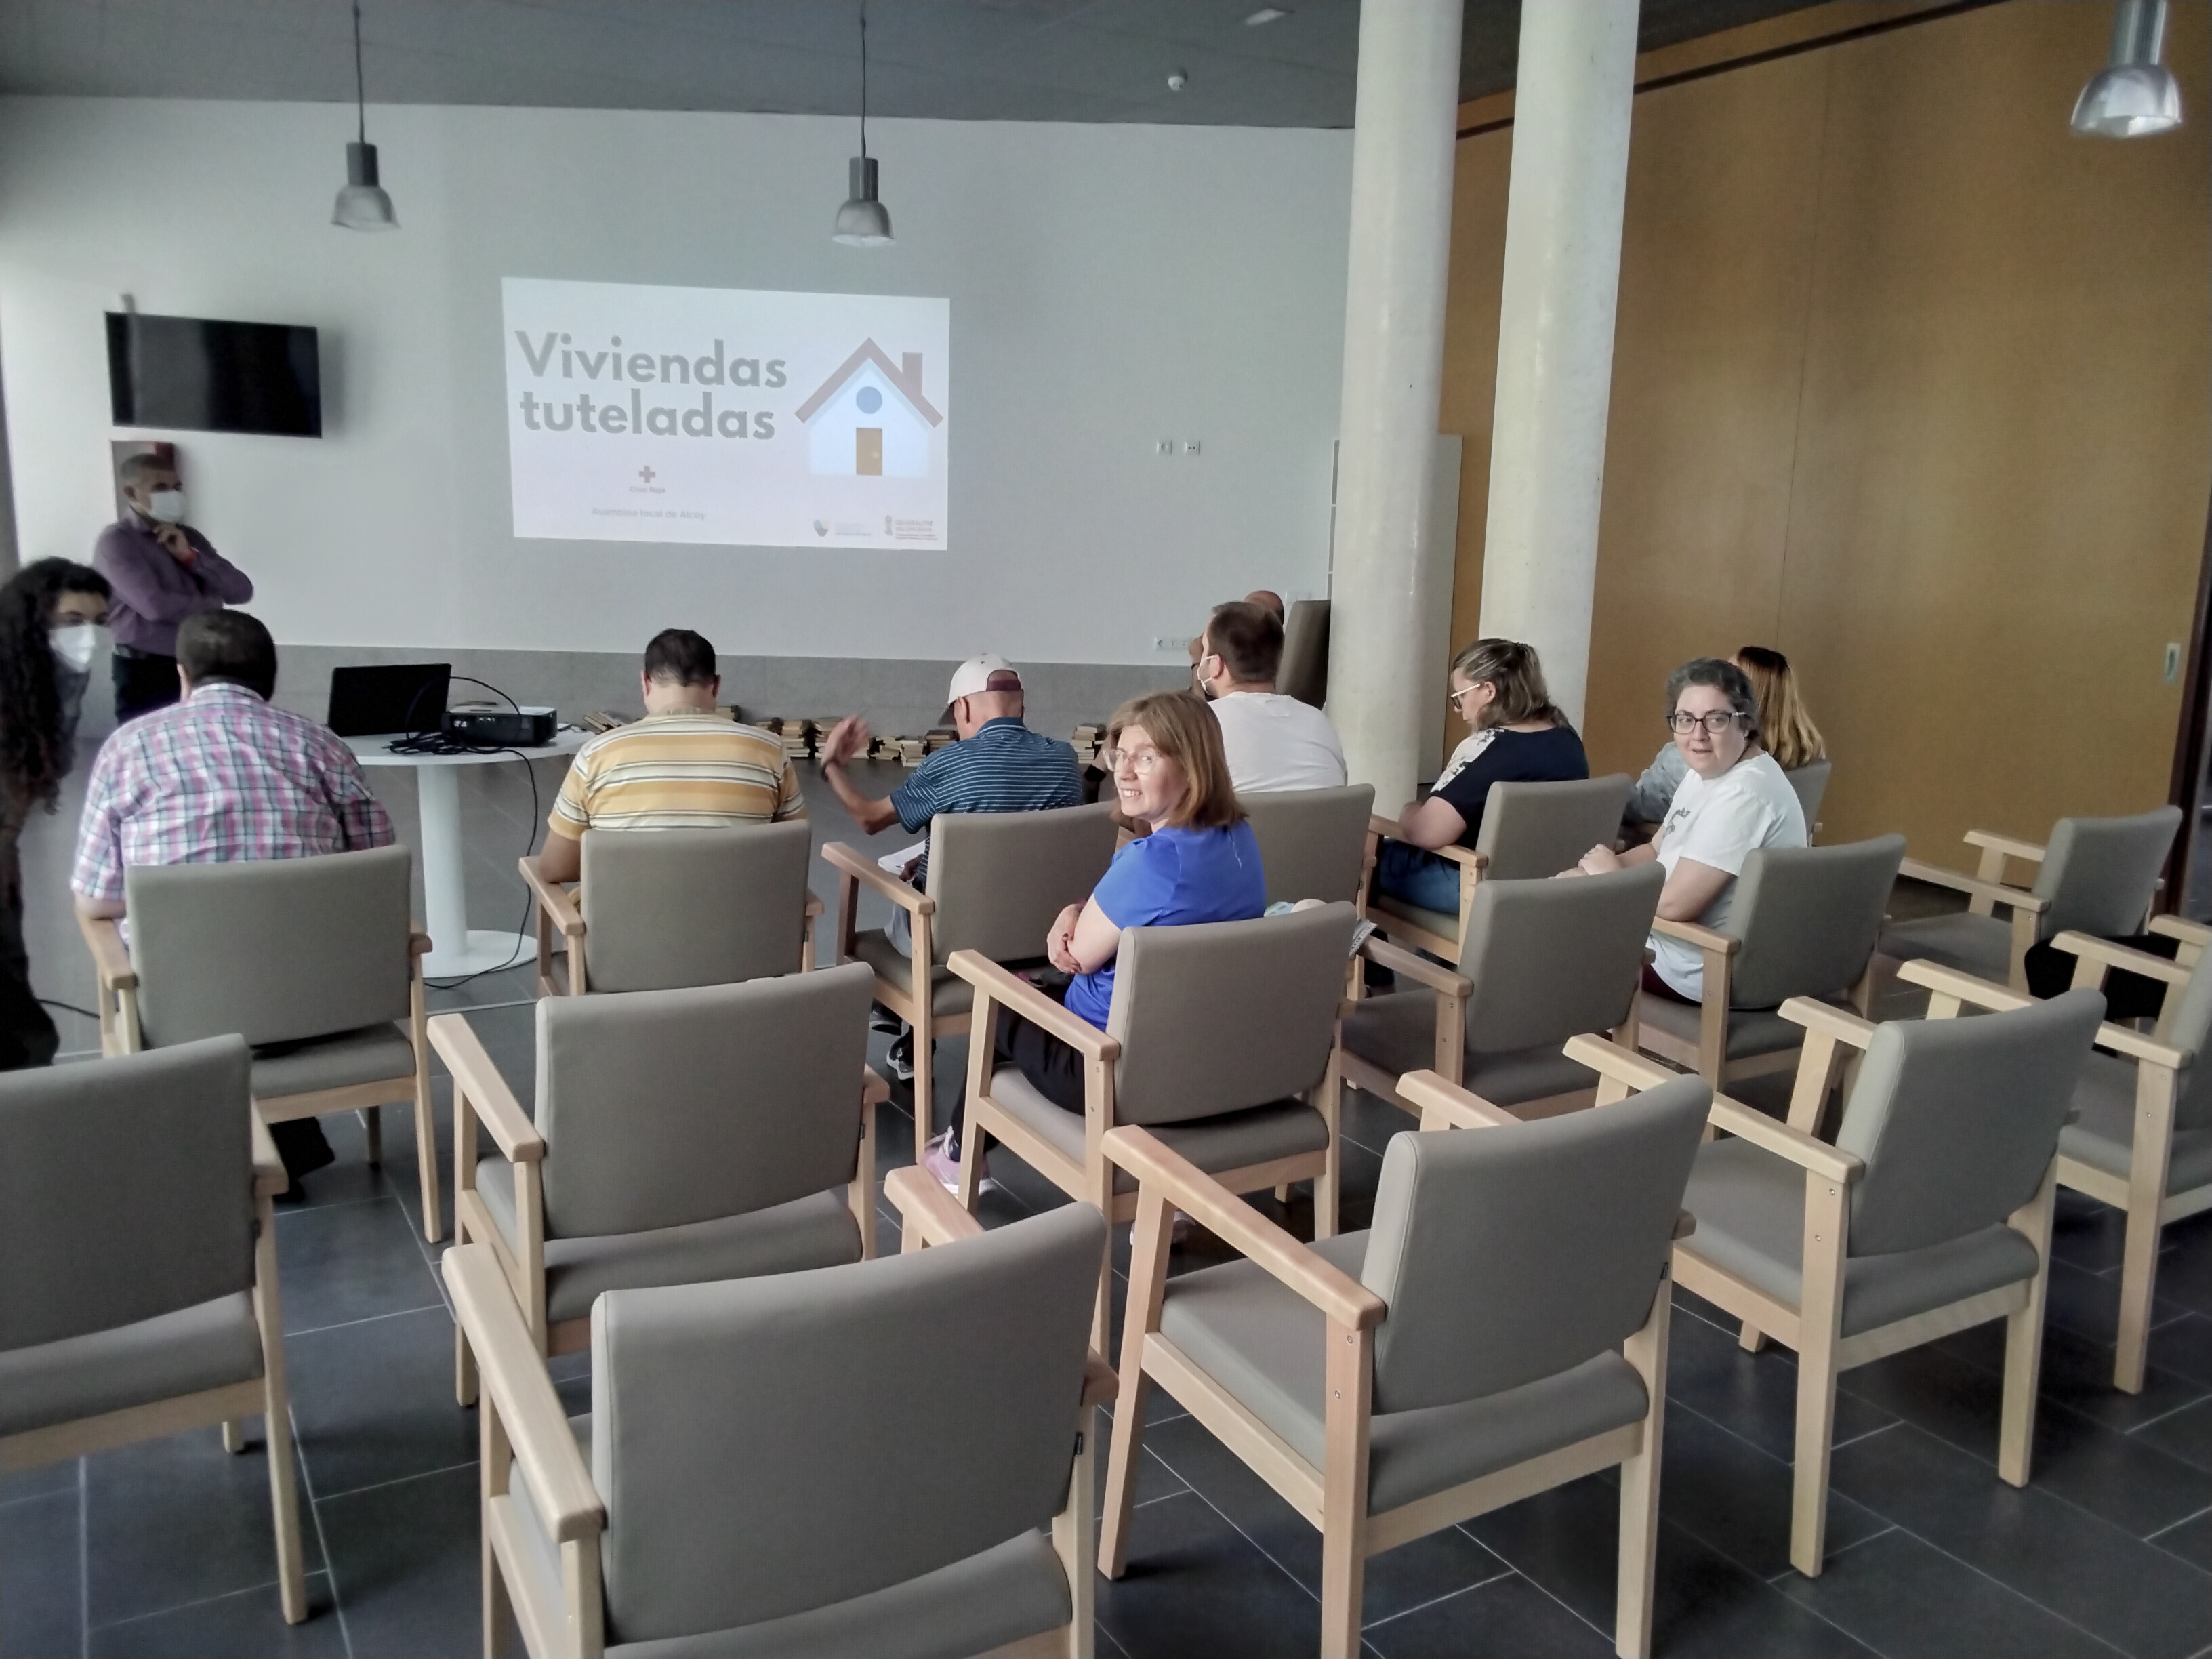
{"x": 1198, "y": 863}
{"x": 1498, "y": 687}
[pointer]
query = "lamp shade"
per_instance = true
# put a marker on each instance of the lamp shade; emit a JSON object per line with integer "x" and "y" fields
{"x": 2133, "y": 95}
{"x": 363, "y": 205}
{"x": 862, "y": 221}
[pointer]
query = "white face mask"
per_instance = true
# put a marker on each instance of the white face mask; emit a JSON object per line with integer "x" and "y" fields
{"x": 165, "y": 507}
{"x": 76, "y": 644}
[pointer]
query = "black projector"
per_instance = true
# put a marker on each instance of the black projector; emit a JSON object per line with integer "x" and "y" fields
{"x": 488, "y": 726}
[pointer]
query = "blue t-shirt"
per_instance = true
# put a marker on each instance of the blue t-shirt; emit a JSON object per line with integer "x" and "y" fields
{"x": 1172, "y": 878}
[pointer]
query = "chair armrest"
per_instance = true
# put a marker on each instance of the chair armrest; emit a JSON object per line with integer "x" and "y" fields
{"x": 1609, "y": 1059}
{"x": 1386, "y": 829}
{"x": 1100, "y": 1384}
{"x": 1012, "y": 991}
{"x": 1398, "y": 960}
{"x": 1935, "y": 875}
{"x": 2009, "y": 846}
{"x": 874, "y": 1091}
{"x": 2135, "y": 1046}
{"x": 1691, "y": 932}
{"x": 2189, "y": 933}
{"x": 269, "y": 1177}
{"x": 1315, "y": 1280}
{"x": 926, "y": 1207}
{"x": 1770, "y": 1135}
{"x": 1950, "y": 982}
{"x": 551, "y": 896}
{"x": 488, "y": 1096}
{"x": 419, "y": 943}
{"x": 514, "y": 1375}
{"x": 870, "y": 875}
{"x": 2089, "y": 948}
{"x": 111, "y": 958}
{"x": 1459, "y": 1108}
{"x": 1828, "y": 1021}
{"x": 812, "y": 907}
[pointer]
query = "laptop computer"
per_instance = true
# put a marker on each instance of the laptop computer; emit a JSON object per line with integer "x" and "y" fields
{"x": 389, "y": 697}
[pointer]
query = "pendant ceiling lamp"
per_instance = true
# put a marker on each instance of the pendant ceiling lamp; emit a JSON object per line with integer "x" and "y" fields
{"x": 863, "y": 222}
{"x": 2134, "y": 95}
{"x": 363, "y": 205}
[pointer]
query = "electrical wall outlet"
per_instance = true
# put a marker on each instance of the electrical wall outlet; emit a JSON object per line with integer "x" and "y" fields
{"x": 1190, "y": 447}
{"x": 2172, "y": 661}
{"x": 1166, "y": 446}
{"x": 1171, "y": 642}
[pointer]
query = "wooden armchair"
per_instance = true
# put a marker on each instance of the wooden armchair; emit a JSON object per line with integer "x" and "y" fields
{"x": 663, "y": 908}
{"x": 681, "y": 1137}
{"x": 335, "y": 1012}
{"x": 1929, "y": 1213}
{"x": 1223, "y": 1037}
{"x": 804, "y": 1541}
{"x": 1356, "y": 1342}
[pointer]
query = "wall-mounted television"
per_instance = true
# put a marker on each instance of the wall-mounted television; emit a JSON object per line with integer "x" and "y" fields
{"x": 193, "y": 374}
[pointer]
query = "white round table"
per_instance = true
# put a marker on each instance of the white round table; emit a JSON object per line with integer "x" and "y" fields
{"x": 457, "y": 949}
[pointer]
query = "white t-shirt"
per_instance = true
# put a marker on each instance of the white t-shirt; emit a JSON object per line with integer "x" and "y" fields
{"x": 1273, "y": 742}
{"x": 1719, "y": 824}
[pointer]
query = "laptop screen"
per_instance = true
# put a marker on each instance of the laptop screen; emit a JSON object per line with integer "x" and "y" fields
{"x": 389, "y": 697}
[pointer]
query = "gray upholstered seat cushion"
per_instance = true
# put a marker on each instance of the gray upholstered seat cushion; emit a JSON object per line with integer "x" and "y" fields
{"x": 948, "y": 993}
{"x": 1258, "y": 1134}
{"x": 1265, "y": 1344}
{"x": 1398, "y": 1033}
{"x": 1975, "y": 944}
{"x": 1750, "y": 1206}
{"x": 1751, "y": 1031}
{"x": 2103, "y": 1136}
{"x": 370, "y": 1054}
{"x": 1436, "y": 921}
{"x": 205, "y": 1346}
{"x": 1525, "y": 1074}
{"x": 816, "y": 1231}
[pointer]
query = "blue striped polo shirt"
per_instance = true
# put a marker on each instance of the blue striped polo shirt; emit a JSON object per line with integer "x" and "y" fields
{"x": 1004, "y": 768}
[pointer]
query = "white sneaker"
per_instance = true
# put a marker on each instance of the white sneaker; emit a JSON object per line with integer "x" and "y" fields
{"x": 939, "y": 1159}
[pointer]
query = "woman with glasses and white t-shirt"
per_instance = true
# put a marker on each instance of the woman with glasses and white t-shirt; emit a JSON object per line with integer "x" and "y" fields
{"x": 1734, "y": 801}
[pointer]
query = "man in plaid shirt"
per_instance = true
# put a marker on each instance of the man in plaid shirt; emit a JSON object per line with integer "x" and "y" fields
{"x": 218, "y": 777}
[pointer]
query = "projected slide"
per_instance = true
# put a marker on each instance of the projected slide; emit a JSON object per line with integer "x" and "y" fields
{"x": 639, "y": 414}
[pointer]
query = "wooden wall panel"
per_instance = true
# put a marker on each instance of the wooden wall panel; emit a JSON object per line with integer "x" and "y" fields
{"x": 1912, "y": 384}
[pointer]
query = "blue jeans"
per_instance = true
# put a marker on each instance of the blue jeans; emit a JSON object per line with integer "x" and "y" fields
{"x": 1417, "y": 876}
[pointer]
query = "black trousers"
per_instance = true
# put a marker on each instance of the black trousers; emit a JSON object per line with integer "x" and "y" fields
{"x": 2127, "y": 996}
{"x": 27, "y": 1037}
{"x": 143, "y": 681}
{"x": 1055, "y": 1070}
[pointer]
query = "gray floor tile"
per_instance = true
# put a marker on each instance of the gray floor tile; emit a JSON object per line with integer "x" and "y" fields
{"x": 2086, "y": 1571}
{"x": 250, "y": 1621}
{"x": 2185, "y": 1268}
{"x": 1910, "y": 1601}
{"x": 2077, "y": 1373}
{"x": 1504, "y": 1618}
{"x": 403, "y": 1561}
{"x": 375, "y": 1401}
{"x": 344, "y": 1262}
{"x": 39, "y": 1482}
{"x": 2191, "y": 1540}
{"x": 41, "y": 1574}
{"x": 179, "y": 1520}
{"x": 1734, "y": 1497}
{"x": 1755, "y": 1396}
{"x": 1195, "y": 1586}
{"x": 2184, "y": 1347}
{"x": 2187, "y": 1435}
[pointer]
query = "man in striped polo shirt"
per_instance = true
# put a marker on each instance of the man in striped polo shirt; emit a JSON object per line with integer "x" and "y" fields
{"x": 684, "y": 766}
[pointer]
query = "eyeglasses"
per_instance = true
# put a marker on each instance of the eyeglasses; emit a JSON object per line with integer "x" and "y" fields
{"x": 1716, "y": 723}
{"x": 1452, "y": 699}
{"x": 1142, "y": 762}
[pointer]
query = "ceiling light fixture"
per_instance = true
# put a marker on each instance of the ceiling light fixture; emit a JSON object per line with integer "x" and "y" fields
{"x": 2134, "y": 95}
{"x": 863, "y": 222}
{"x": 1265, "y": 14}
{"x": 363, "y": 205}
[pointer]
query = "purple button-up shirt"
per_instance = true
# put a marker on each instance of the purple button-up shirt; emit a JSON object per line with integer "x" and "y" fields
{"x": 153, "y": 591}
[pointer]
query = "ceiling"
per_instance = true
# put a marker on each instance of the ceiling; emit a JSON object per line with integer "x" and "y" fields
{"x": 980, "y": 60}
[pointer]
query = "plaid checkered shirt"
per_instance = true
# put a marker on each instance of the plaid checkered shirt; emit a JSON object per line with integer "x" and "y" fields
{"x": 216, "y": 779}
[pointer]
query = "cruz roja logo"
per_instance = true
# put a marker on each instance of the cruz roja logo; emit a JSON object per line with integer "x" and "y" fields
{"x": 578, "y": 411}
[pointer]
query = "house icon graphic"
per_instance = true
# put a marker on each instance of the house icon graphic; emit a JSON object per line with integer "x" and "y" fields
{"x": 869, "y": 419}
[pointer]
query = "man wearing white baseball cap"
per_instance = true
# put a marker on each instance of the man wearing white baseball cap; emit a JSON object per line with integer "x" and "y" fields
{"x": 998, "y": 765}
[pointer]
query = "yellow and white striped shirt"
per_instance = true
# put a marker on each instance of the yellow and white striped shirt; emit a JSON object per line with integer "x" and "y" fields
{"x": 682, "y": 771}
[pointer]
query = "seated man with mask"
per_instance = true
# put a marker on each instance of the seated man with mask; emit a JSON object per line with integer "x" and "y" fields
{"x": 220, "y": 777}
{"x": 1272, "y": 742}
{"x": 161, "y": 571}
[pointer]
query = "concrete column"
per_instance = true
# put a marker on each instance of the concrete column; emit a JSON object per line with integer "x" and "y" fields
{"x": 1394, "y": 336}
{"x": 1569, "y": 179}
{"x": 10, "y": 556}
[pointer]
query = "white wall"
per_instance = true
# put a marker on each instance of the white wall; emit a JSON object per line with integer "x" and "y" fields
{"x": 1111, "y": 285}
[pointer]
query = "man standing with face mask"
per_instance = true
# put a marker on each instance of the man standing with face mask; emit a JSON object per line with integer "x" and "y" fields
{"x": 162, "y": 571}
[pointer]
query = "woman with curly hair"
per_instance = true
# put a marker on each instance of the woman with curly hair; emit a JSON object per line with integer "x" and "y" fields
{"x": 51, "y": 616}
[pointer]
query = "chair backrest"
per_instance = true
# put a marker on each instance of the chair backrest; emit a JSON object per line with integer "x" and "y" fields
{"x": 1531, "y": 829}
{"x": 1218, "y": 1016}
{"x": 1809, "y": 917}
{"x": 1000, "y": 878}
{"x": 1514, "y": 1254}
{"x": 1305, "y": 670}
{"x": 660, "y": 1108}
{"x": 2100, "y": 874}
{"x": 276, "y": 949}
{"x": 669, "y": 907}
{"x": 1547, "y": 960}
{"x": 1957, "y": 1119}
{"x": 1810, "y": 781}
{"x": 126, "y": 1189}
{"x": 1313, "y": 843}
{"x": 755, "y": 1442}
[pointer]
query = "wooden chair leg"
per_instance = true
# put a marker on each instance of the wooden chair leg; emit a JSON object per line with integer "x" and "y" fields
{"x": 1640, "y": 1492}
{"x": 233, "y": 1436}
{"x": 1149, "y": 1240}
{"x": 1753, "y": 1339}
{"x": 925, "y": 1081}
{"x": 464, "y": 1368}
{"x": 2023, "y": 1362}
{"x": 1075, "y": 1540}
{"x": 1816, "y": 1423}
{"x": 1328, "y": 1183}
{"x": 1350, "y": 1382}
{"x": 492, "y": 1461}
{"x": 972, "y": 1140}
{"x": 426, "y": 1122}
{"x": 283, "y": 1488}
{"x": 2138, "y": 1283}
{"x": 372, "y": 1132}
